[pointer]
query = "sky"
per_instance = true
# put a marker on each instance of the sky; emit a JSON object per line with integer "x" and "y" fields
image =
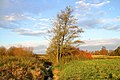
{"x": 25, "y": 22}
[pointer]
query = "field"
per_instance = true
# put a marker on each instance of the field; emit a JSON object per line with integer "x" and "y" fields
{"x": 31, "y": 68}
{"x": 105, "y": 57}
{"x": 97, "y": 69}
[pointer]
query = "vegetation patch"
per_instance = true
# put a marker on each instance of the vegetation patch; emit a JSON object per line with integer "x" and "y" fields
{"x": 21, "y": 68}
{"x": 91, "y": 70}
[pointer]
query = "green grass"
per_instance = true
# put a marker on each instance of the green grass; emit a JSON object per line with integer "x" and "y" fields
{"x": 102, "y": 69}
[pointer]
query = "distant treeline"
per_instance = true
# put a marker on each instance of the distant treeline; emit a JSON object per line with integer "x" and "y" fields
{"x": 104, "y": 51}
{"x": 16, "y": 51}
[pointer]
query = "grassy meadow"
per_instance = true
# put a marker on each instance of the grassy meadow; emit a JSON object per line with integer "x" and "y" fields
{"x": 96, "y": 69}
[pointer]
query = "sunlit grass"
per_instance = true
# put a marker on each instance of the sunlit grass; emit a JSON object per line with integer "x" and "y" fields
{"x": 101, "y": 69}
{"x": 105, "y": 57}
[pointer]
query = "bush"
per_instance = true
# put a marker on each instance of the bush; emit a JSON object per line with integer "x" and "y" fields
{"x": 2, "y": 51}
{"x": 21, "y": 68}
{"x": 116, "y": 52}
{"x": 75, "y": 54}
{"x": 19, "y": 51}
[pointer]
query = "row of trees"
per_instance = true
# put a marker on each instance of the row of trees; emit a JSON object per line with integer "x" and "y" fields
{"x": 16, "y": 51}
{"x": 104, "y": 51}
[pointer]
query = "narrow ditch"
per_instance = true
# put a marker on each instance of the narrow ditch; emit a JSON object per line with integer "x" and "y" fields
{"x": 49, "y": 73}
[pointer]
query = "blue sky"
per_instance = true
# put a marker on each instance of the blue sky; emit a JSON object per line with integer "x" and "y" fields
{"x": 25, "y": 22}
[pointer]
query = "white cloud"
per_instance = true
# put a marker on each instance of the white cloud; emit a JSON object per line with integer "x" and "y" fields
{"x": 25, "y": 24}
{"x": 102, "y": 42}
{"x": 44, "y": 19}
{"x": 9, "y": 18}
{"x": 117, "y": 19}
{"x": 38, "y": 46}
{"x": 29, "y": 32}
{"x": 90, "y": 23}
{"x": 111, "y": 20}
{"x": 31, "y": 18}
{"x": 100, "y": 4}
{"x": 33, "y": 43}
{"x": 92, "y": 45}
{"x": 42, "y": 25}
{"x": 112, "y": 27}
{"x": 84, "y": 6}
{"x": 15, "y": 17}
{"x": 113, "y": 41}
{"x": 103, "y": 23}
{"x": 90, "y": 14}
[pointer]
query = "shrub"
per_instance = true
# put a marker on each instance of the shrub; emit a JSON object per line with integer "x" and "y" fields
{"x": 21, "y": 68}
{"x": 75, "y": 54}
{"x": 2, "y": 51}
{"x": 19, "y": 51}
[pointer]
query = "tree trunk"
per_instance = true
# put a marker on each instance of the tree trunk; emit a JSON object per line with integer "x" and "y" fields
{"x": 58, "y": 54}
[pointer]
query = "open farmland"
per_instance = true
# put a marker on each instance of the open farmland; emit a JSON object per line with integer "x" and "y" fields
{"x": 101, "y": 69}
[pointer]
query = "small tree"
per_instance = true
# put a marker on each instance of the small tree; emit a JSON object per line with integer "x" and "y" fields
{"x": 104, "y": 51}
{"x": 116, "y": 52}
{"x": 65, "y": 33}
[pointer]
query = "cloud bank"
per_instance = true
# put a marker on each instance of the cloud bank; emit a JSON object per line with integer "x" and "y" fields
{"x": 92, "y": 45}
{"x": 20, "y": 24}
{"x": 91, "y": 15}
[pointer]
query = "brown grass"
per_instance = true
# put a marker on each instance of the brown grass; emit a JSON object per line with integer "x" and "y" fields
{"x": 104, "y": 57}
